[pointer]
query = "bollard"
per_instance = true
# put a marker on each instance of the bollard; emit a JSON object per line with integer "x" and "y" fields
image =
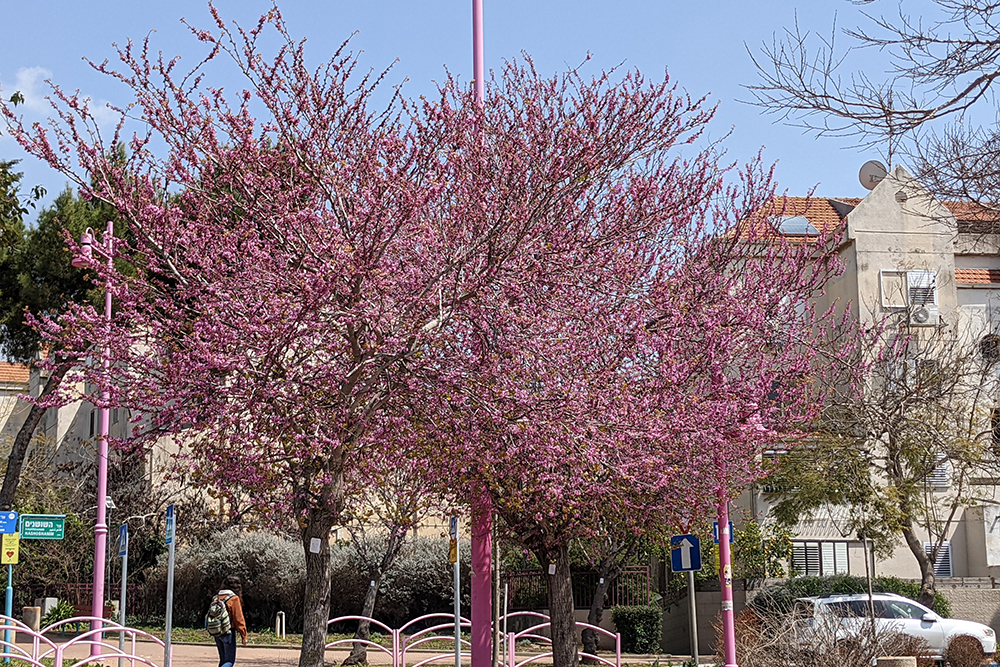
{"x": 32, "y": 617}
{"x": 907, "y": 661}
{"x": 279, "y": 625}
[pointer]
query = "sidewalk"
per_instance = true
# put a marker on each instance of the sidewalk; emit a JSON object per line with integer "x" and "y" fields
{"x": 205, "y": 655}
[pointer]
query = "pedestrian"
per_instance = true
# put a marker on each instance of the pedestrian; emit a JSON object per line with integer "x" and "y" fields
{"x": 230, "y": 595}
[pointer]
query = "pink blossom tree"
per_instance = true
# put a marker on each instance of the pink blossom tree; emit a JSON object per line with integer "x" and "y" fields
{"x": 546, "y": 288}
{"x": 633, "y": 382}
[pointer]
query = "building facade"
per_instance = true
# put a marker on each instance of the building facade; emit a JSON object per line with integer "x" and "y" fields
{"x": 930, "y": 269}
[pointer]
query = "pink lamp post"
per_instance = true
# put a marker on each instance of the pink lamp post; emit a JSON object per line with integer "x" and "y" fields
{"x": 482, "y": 509}
{"x": 82, "y": 260}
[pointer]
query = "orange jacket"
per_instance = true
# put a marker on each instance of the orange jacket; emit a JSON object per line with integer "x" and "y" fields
{"x": 235, "y": 609}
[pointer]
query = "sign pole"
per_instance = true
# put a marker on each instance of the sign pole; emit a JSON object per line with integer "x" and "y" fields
{"x": 693, "y": 615}
{"x": 170, "y": 585}
{"x": 123, "y": 552}
{"x": 8, "y": 609}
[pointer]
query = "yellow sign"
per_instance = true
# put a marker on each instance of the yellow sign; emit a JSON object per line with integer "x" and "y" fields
{"x": 9, "y": 547}
{"x": 453, "y": 551}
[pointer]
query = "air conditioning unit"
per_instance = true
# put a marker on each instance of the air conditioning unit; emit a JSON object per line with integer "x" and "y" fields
{"x": 924, "y": 316}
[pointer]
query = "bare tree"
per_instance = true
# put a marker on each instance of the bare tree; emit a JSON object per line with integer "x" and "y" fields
{"x": 383, "y": 514}
{"x": 934, "y": 104}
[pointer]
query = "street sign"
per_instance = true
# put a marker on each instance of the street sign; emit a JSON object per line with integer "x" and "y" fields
{"x": 9, "y": 547}
{"x": 685, "y": 553}
{"x": 43, "y": 526}
{"x": 715, "y": 532}
{"x": 8, "y": 522}
{"x": 170, "y": 524}
{"x": 123, "y": 541}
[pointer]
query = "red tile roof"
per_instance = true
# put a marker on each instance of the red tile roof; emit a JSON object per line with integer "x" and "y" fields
{"x": 14, "y": 373}
{"x": 826, "y": 213}
{"x": 977, "y": 276}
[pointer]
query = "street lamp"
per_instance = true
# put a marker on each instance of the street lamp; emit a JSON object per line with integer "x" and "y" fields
{"x": 84, "y": 259}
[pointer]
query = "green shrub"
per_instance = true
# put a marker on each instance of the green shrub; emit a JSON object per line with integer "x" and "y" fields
{"x": 780, "y": 598}
{"x": 60, "y": 612}
{"x": 640, "y": 628}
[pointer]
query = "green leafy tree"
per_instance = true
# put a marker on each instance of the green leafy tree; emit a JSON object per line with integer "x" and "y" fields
{"x": 904, "y": 448}
{"x": 37, "y": 279}
{"x": 761, "y": 551}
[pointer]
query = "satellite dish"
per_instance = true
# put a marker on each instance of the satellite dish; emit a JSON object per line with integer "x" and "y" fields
{"x": 871, "y": 174}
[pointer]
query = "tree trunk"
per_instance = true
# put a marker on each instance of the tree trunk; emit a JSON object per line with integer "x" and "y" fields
{"x": 561, "y": 608}
{"x": 597, "y": 611}
{"x": 316, "y": 607}
{"x": 927, "y": 582}
{"x": 18, "y": 450}
{"x": 359, "y": 651}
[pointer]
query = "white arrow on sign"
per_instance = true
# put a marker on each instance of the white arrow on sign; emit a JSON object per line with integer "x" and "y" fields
{"x": 686, "y": 547}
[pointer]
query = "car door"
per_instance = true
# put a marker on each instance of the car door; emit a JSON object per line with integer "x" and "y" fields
{"x": 908, "y": 617}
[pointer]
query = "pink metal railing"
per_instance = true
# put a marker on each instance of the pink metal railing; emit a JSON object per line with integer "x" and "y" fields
{"x": 402, "y": 642}
{"x": 43, "y": 648}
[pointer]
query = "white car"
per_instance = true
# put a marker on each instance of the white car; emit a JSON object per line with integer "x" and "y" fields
{"x": 893, "y": 612}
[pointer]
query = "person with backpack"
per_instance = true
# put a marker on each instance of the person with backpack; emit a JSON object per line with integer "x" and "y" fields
{"x": 225, "y": 619}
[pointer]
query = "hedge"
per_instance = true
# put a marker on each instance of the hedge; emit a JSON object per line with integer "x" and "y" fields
{"x": 640, "y": 628}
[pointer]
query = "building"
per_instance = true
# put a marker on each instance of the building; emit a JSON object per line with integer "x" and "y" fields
{"x": 931, "y": 269}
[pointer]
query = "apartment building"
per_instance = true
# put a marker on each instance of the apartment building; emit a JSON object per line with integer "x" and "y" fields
{"x": 931, "y": 269}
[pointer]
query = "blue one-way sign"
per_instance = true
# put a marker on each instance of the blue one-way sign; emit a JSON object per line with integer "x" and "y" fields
{"x": 715, "y": 532}
{"x": 685, "y": 553}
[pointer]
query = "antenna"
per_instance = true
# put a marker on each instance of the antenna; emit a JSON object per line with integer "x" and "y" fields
{"x": 871, "y": 174}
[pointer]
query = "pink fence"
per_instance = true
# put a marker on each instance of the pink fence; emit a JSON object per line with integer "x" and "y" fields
{"x": 441, "y": 627}
{"x": 76, "y": 650}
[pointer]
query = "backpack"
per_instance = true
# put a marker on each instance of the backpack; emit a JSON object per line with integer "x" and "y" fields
{"x": 217, "y": 620}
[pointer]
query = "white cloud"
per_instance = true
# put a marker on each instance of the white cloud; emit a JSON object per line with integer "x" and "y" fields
{"x": 30, "y": 82}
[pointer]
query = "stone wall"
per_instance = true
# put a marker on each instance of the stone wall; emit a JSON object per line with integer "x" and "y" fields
{"x": 973, "y": 599}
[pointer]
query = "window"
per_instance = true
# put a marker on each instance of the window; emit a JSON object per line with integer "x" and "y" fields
{"x": 940, "y": 477}
{"x": 796, "y": 225}
{"x": 893, "y": 287}
{"x": 922, "y": 288}
{"x": 91, "y": 423}
{"x": 989, "y": 347}
{"x": 898, "y": 609}
{"x": 942, "y": 566}
{"x": 817, "y": 559}
{"x": 902, "y": 289}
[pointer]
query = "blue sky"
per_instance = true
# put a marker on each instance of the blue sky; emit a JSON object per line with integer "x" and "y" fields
{"x": 702, "y": 44}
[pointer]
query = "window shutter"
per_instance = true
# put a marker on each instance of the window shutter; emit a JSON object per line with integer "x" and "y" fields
{"x": 940, "y": 477}
{"x": 921, "y": 288}
{"x": 942, "y": 566}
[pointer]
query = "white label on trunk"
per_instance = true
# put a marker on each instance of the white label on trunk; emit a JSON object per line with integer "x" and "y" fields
{"x": 373, "y": 583}
{"x": 552, "y": 568}
{"x": 314, "y": 545}
{"x": 727, "y": 605}
{"x": 601, "y": 581}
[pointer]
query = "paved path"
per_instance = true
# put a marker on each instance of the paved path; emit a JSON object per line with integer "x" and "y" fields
{"x": 205, "y": 655}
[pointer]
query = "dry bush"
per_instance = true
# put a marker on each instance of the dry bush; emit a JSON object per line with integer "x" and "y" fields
{"x": 788, "y": 641}
{"x": 964, "y": 651}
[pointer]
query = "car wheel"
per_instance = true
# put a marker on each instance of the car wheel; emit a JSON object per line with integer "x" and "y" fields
{"x": 964, "y": 651}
